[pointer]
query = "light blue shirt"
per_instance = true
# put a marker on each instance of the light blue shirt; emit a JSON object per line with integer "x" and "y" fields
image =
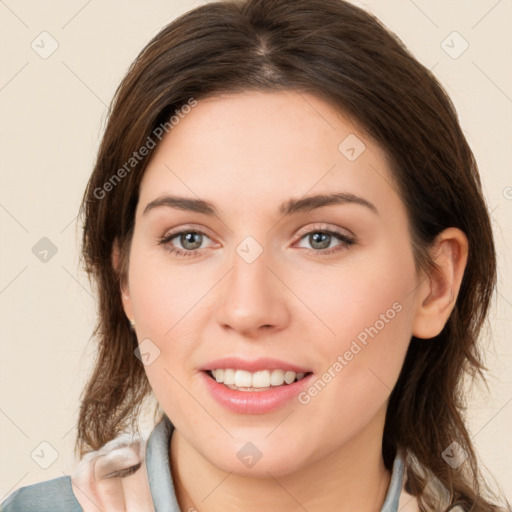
{"x": 57, "y": 495}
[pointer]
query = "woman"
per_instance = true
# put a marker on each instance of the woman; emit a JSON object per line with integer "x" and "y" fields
{"x": 293, "y": 255}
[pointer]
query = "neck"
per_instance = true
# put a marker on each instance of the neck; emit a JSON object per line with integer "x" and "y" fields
{"x": 352, "y": 477}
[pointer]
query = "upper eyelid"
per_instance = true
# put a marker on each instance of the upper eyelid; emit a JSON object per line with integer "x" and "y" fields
{"x": 304, "y": 230}
{"x": 322, "y": 227}
{"x": 185, "y": 229}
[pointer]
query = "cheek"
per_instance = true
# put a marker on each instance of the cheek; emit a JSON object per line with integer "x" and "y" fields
{"x": 167, "y": 305}
{"x": 164, "y": 295}
{"x": 358, "y": 294}
{"x": 370, "y": 315}
{"x": 365, "y": 309}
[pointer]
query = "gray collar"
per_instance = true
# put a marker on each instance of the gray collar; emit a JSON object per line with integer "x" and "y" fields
{"x": 162, "y": 486}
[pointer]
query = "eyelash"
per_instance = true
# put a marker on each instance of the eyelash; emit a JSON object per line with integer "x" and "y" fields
{"x": 346, "y": 242}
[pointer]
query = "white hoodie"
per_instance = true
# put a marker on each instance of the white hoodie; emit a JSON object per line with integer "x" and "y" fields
{"x": 129, "y": 474}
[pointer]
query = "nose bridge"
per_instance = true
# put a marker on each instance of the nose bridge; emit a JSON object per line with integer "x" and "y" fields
{"x": 252, "y": 297}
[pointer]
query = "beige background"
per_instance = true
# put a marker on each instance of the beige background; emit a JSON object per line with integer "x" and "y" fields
{"x": 52, "y": 113}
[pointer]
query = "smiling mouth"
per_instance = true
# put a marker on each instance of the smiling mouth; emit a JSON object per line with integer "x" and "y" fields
{"x": 263, "y": 380}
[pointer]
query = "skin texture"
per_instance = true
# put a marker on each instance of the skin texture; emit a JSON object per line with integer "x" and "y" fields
{"x": 247, "y": 154}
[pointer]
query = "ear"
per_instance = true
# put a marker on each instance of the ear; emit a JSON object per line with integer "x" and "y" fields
{"x": 438, "y": 291}
{"x": 124, "y": 288}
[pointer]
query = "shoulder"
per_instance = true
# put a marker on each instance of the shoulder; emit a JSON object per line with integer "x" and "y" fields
{"x": 101, "y": 476}
{"x": 50, "y": 496}
{"x": 409, "y": 503}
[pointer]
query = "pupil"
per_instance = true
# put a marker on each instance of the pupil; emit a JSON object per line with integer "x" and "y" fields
{"x": 323, "y": 239}
{"x": 188, "y": 238}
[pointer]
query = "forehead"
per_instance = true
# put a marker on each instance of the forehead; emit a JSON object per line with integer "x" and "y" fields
{"x": 259, "y": 147}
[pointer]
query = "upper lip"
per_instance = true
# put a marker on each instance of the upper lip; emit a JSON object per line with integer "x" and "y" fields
{"x": 262, "y": 363}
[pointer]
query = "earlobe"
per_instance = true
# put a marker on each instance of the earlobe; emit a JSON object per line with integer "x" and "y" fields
{"x": 115, "y": 255}
{"x": 124, "y": 289}
{"x": 439, "y": 290}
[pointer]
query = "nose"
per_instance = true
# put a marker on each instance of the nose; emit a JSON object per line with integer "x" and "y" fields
{"x": 253, "y": 300}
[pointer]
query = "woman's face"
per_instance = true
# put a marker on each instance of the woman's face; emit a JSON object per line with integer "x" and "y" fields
{"x": 273, "y": 280}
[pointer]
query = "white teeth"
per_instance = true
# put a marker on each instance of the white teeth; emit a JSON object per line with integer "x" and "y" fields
{"x": 229, "y": 377}
{"x": 261, "y": 379}
{"x": 289, "y": 377}
{"x": 243, "y": 379}
{"x": 277, "y": 378}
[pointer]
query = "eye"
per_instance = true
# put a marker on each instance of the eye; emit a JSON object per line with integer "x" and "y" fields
{"x": 322, "y": 239}
{"x": 191, "y": 240}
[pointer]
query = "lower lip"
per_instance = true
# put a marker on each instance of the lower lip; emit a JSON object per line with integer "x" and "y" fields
{"x": 254, "y": 402}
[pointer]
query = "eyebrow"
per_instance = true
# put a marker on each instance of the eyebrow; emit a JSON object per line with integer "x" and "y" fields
{"x": 287, "y": 208}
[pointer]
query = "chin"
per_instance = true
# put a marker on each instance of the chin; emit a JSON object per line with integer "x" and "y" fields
{"x": 254, "y": 462}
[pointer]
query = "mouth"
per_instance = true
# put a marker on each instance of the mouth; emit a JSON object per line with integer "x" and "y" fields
{"x": 263, "y": 380}
{"x": 254, "y": 386}
{"x": 259, "y": 392}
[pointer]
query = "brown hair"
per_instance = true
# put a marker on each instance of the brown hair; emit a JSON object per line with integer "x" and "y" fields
{"x": 345, "y": 56}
